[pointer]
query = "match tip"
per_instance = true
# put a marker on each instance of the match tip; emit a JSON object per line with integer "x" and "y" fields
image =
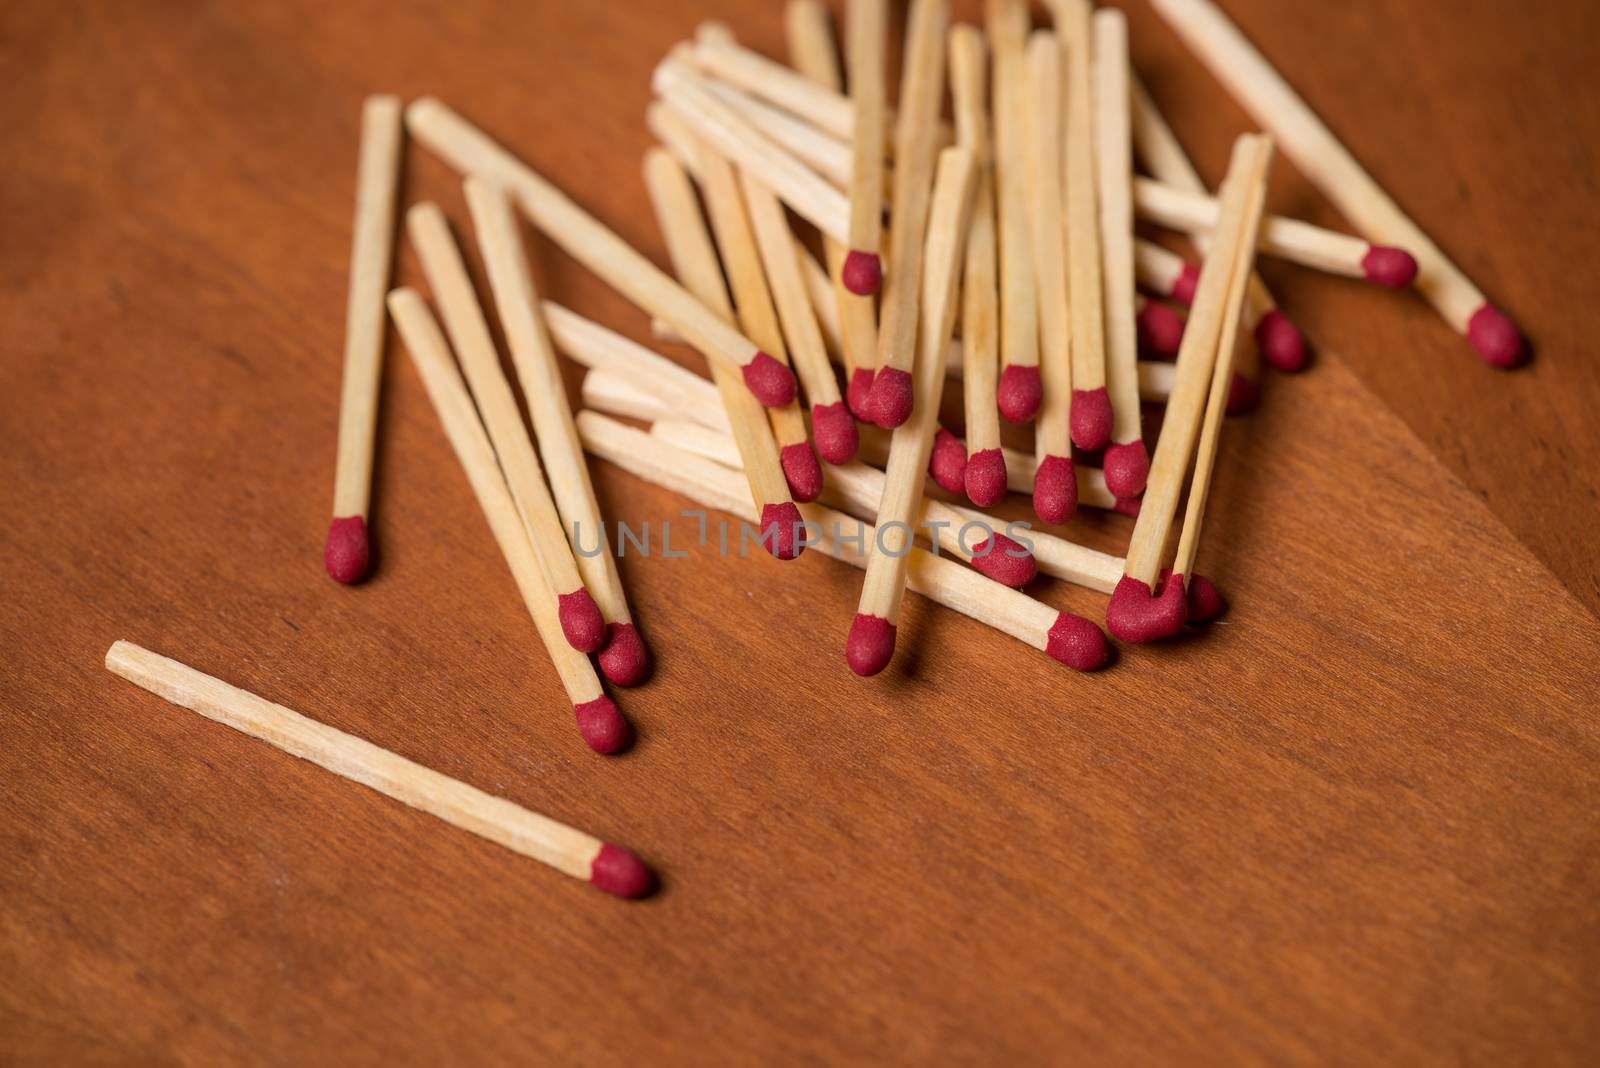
{"x": 834, "y": 431}
{"x": 1496, "y": 338}
{"x": 1139, "y": 614}
{"x": 1090, "y": 418}
{"x": 770, "y": 381}
{"x": 1186, "y": 284}
{"x": 858, "y": 393}
{"x": 1393, "y": 268}
{"x": 1160, "y": 329}
{"x": 1019, "y": 393}
{"x": 891, "y": 400}
{"x": 1055, "y": 489}
{"x": 801, "y": 471}
{"x": 1006, "y": 561}
{"x": 1205, "y": 600}
{"x": 1078, "y": 643}
{"x": 862, "y": 272}
{"x": 618, "y": 871}
{"x": 581, "y": 621}
{"x": 870, "y": 645}
{"x": 346, "y": 553}
{"x": 1129, "y": 506}
{"x": 1127, "y": 467}
{"x": 1281, "y": 343}
{"x": 1243, "y": 394}
{"x": 985, "y": 480}
{"x": 781, "y": 527}
{"x": 624, "y": 659}
{"x": 602, "y": 726}
{"x": 947, "y": 463}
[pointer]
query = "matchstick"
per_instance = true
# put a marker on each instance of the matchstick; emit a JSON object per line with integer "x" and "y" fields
{"x": 1278, "y": 339}
{"x": 1142, "y": 608}
{"x": 346, "y": 554}
{"x": 622, "y": 657}
{"x": 811, "y": 49}
{"x": 1332, "y": 168}
{"x": 1126, "y": 460}
{"x": 568, "y": 850}
{"x": 594, "y": 346}
{"x": 984, "y": 468}
{"x": 694, "y": 259}
{"x": 716, "y": 53}
{"x": 469, "y": 151}
{"x": 832, "y": 427}
{"x": 1070, "y": 639}
{"x": 581, "y": 621}
{"x": 872, "y": 632}
{"x": 916, "y": 133}
{"x": 1162, "y": 271}
{"x": 1160, "y": 328}
{"x": 1020, "y": 389}
{"x": 1055, "y": 495}
{"x": 1090, "y": 415}
{"x": 1288, "y": 239}
{"x": 599, "y": 721}
{"x": 866, "y": 27}
{"x": 830, "y": 159}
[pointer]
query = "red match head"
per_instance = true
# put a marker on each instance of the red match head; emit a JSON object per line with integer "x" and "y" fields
{"x": 858, "y": 393}
{"x": 1127, "y": 467}
{"x": 781, "y": 529}
{"x": 1205, "y": 600}
{"x": 1091, "y": 418}
{"x": 1281, "y": 342}
{"x": 892, "y": 395}
{"x": 1392, "y": 268}
{"x": 862, "y": 272}
{"x": 1243, "y": 394}
{"x": 801, "y": 471}
{"x": 1078, "y": 643}
{"x": 985, "y": 480}
{"x": 870, "y": 645}
{"x": 623, "y": 659}
{"x": 345, "y": 554}
{"x": 1496, "y": 338}
{"x": 617, "y": 871}
{"x": 1004, "y": 560}
{"x": 834, "y": 431}
{"x": 581, "y": 621}
{"x": 1055, "y": 490}
{"x": 1019, "y": 393}
{"x": 770, "y": 381}
{"x": 1160, "y": 330}
{"x": 1186, "y": 284}
{"x": 947, "y": 463}
{"x": 1138, "y": 614}
{"x": 602, "y": 725}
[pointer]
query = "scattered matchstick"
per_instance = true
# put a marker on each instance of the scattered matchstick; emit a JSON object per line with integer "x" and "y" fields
{"x": 581, "y": 621}
{"x": 718, "y": 54}
{"x": 568, "y": 850}
{"x": 347, "y": 553}
{"x": 1334, "y": 170}
{"x": 467, "y": 149}
{"x": 866, "y": 28}
{"x": 821, "y": 153}
{"x": 1162, "y": 271}
{"x": 599, "y": 720}
{"x": 623, "y": 657}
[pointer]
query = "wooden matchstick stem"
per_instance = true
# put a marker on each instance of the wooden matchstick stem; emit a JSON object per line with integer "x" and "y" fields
{"x": 598, "y": 347}
{"x": 912, "y": 442}
{"x": 467, "y": 149}
{"x": 535, "y": 360}
{"x": 1045, "y": 223}
{"x": 1080, "y": 211}
{"x": 371, "y": 253}
{"x": 431, "y": 355}
{"x": 1114, "y": 157}
{"x": 1007, "y": 22}
{"x": 480, "y": 360}
{"x": 866, "y": 27}
{"x": 829, "y": 158}
{"x": 1196, "y": 359}
{"x": 724, "y": 58}
{"x": 548, "y": 841}
{"x": 979, "y": 298}
{"x": 1156, "y": 268}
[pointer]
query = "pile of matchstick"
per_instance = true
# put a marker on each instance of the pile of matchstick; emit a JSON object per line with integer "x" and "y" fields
{"x": 995, "y": 254}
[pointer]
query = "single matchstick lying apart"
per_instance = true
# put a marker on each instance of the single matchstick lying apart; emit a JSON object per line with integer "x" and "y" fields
{"x": 572, "y": 852}
{"x": 866, "y": 28}
{"x": 1068, "y": 638}
{"x": 581, "y": 621}
{"x": 347, "y": 552}
{"x": 1331, "y": 167}
{"x": 1144, "y": 608}
{"x": 623, "y": 657}
{"x": 470, "y": 151}
{"x": 599, "y": 721}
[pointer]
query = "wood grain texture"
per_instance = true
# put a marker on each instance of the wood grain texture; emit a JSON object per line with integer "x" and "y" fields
{"x": 1353, "y": 824}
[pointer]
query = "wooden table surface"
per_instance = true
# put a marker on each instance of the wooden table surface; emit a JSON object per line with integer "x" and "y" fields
{"x": 1357, "y": 823}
